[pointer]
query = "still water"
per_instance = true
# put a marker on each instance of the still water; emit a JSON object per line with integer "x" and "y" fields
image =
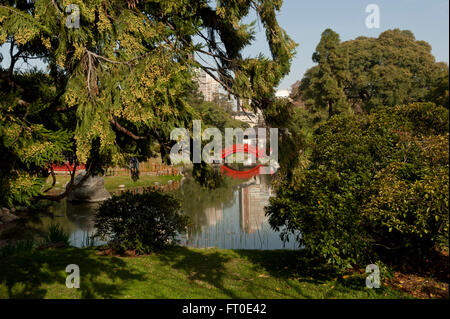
{"x": 230, "y": 217}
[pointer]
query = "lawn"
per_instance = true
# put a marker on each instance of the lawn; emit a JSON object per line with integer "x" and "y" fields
{"x": 113, "y": 182}
{"x": 179, "y": 273}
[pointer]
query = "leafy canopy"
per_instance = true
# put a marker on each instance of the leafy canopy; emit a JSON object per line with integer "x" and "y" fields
{"x": 367, "y": 73}
{"x": 374, "y": 184}
{"x": 118, "y": 84}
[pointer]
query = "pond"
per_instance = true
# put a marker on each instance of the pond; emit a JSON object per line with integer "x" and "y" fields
{"x": 229, "y": 217}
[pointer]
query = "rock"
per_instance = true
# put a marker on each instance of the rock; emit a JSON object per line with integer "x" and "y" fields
{"x": 170, "y": 182}
{"x": 92, "y": 190}
{"x": 8, "y": 217}
{"x": 13, "y": 210}
{"x": 122, "y": 186}
{"x": 4, "y": 211}
{"x": 156, "y": 183}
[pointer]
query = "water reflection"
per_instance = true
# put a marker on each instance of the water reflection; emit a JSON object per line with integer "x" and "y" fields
{"x": 230, "y": 217}
{"x": 76, "y": 219}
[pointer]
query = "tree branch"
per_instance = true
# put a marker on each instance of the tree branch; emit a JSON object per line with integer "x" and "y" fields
{"x": 127, "y": 132}
{"x": 70, "y": 186}
{"x": 52, "y": 172}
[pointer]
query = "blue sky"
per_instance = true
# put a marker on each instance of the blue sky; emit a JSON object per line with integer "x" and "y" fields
{"x": 304, "y": 21}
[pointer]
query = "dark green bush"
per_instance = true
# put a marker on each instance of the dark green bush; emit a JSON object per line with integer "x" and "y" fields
{"x": 375, "y": 184}
{"x": 18, "y": 247}
{"x": 141, "y": 222}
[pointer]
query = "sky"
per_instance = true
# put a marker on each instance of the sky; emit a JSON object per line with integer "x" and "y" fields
{"x": 304, "y": 21}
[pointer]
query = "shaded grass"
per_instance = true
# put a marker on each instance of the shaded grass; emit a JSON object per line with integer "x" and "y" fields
{"x": 179, "y": 273}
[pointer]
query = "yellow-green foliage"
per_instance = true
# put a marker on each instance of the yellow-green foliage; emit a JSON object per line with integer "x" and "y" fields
{"x": 122, "y": 77}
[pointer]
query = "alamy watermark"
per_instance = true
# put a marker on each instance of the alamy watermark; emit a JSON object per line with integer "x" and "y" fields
{"x": 73, "y": 19}
{"x": 243, "y": 147}
{"x": 373, "y": 19}
{"x": 73, "y": 279}
{"x": 373, "y": 279}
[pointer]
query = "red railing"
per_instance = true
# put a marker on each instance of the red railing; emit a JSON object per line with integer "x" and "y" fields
{"x": 145, "y": 168}
{"x": 67, "y": 168}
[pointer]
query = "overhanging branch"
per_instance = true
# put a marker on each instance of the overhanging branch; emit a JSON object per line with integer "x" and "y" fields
{"x": 127, "y": 132}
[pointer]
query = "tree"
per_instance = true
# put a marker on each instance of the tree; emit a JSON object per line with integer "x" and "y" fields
{"x": 392, "y": 69}
{"x": 118, "y": 83}
{"x": 213, "y": 114}
{"x": 324, "y": 83}
{"x": 439, "y": 91}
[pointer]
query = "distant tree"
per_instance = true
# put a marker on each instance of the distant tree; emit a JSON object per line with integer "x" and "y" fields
{"x": 224, "y": 102}
{"x": 439, "y": 91}
{"x": 324, "y": 83}
{"x": 392, "y": 69}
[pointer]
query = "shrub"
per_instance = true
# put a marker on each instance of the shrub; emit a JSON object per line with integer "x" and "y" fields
{"x": 57, "y": 235}
{"x": 375, "y": 184}
{"x": 17, "y": 247}
{"x": 141, "y": 222}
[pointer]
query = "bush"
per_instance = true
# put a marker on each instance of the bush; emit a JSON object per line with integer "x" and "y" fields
{"x": 20, "y": 246}
{"x": 141, "y": 222}
{"x": 375, "y": 184}
{"x": 57, "y": 235}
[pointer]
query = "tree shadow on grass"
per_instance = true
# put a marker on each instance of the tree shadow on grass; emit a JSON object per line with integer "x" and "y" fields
{"x": 290, "y": 267}
{"x": 29, "y": 275}
{"x": 299, "y": 266}
{"x": 201, "y": 267}
{"x": 283, "y": 266}
{"x": 286, "y": 264}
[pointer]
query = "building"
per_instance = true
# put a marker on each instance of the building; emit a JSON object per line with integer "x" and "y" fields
{"x": 283, "y": 94}
{"x": 209, "y": 87}
{"x": 253, "y": 200}
{"x": 251, "y": 118}
{"x": 247, "y": 117}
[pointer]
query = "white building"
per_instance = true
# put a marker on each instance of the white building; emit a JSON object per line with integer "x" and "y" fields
{"x": 282, "y": 94}
{"x": 207, "y": 85}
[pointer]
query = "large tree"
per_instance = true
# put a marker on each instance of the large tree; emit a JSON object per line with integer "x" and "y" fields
{"x": 392, "y": 69}
{"x": 118, "y": 83}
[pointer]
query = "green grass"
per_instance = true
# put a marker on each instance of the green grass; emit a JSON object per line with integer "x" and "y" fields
{"x": 178, "y": 273}
{"x": 113, "y": 182}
